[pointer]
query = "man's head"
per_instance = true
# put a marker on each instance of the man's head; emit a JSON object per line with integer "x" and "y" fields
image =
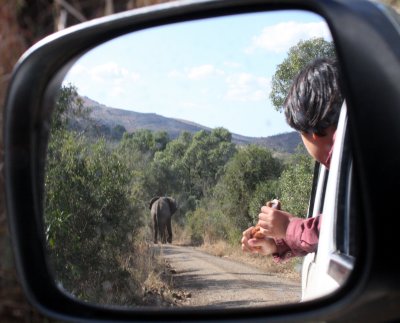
{"x": 313, "y": 105}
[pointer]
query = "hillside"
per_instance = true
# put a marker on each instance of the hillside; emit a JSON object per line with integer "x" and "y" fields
{"x": 132, "y": 121}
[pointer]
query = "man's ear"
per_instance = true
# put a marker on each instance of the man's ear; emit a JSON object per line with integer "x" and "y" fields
{"x": 315, "y": 136}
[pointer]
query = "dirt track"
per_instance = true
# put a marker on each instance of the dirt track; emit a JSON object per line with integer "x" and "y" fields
{"x": 221, "y": 282}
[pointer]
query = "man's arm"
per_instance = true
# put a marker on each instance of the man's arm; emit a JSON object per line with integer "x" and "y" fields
{"x": 301, "y": 238}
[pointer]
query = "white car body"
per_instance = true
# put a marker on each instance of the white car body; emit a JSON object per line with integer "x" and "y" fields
{"x": 319, "y": 272}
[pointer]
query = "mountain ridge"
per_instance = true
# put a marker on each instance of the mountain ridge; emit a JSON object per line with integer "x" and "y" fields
{"x": 133, "y": 121}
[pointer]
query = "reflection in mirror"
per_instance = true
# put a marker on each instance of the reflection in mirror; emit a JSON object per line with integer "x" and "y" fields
{"x": 182, "y": 124}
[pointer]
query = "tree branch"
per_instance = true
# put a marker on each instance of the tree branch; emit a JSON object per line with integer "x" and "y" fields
{"x": 71, "y": 10}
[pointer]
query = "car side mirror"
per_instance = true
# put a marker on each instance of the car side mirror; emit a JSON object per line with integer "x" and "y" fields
{"x": 61, "y": 230}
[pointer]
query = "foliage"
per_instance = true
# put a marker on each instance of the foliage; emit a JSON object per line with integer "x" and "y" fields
{"x": 69, "y": 107}
{"x": 169, "y": 170}
{"x": 97, "y": 189}
{"x": 190, "y": 166}
{"x": 264, "y": 192}
{"x": 145, "y": 141}
{"x": 89, "y": 217}
{"x": 296, "y": 183}
{"x": 298, "y": 57}
{"x": 208, "y": 224}
{"x": 250, "y": 167}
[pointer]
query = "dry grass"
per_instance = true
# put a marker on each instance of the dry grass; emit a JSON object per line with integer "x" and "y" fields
{"x": 288, "y": 270}
{"x": 181, "y": 235}
{"x": 150, "y": 275}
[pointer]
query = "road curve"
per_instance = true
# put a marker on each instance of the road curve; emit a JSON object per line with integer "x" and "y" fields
{"x": 221, "y": 282}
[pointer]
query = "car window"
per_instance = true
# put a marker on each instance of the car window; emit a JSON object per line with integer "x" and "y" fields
{"x": 313, "y": 189}
{"x": 343, "y": 245}
{"x": 345, "y": 222}
{"x": 318, "y": 190}
{"x": 346, "y": 233}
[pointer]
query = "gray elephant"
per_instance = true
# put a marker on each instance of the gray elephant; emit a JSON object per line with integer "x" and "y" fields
{"x": 162, "y": 209}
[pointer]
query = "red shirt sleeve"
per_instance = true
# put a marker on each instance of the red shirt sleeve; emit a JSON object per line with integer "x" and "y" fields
{"x": 301, "y": 238}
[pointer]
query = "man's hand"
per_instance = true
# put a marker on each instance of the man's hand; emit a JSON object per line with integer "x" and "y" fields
{"x": 273, "y": 222}
{"x": 265, "y": 246}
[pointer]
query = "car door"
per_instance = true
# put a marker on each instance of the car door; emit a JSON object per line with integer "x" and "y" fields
{"x": 325, "y": 270}
{"x": 309, "y": 268}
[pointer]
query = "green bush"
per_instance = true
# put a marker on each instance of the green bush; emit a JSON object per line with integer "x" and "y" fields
{"x": 211, "y": 225}
{"x": 249, "y": 168}
{"x": 264, "y": 192}
{"x": 89, "y": 219}
{"x": 296, "y": 183}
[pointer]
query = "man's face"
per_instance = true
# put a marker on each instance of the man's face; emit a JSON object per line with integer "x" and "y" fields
{"x": 319, "y": 147}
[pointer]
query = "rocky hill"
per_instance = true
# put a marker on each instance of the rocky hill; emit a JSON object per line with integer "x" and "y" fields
{"x": 131, "y": 121}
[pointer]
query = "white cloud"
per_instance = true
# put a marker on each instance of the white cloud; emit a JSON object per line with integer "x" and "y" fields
{"x": 77, "y": 70}
{"x": 196, "y": 72}
{"x": 247, "y": 87}
{"x": 116, "y": 79}
{"x": 175, "y": 74}
{"x": 117, "y": 91}
{"x": 202, "y": 71}
{"x": 105, "y": 73}
{"x": 111, "y": 71}
{"x": 189, "y": 104}
{"x": 280, "y": 37}
{"x": 232, "y": 64}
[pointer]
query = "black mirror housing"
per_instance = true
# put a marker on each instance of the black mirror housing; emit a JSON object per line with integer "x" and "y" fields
{"x": 368, "y": 51}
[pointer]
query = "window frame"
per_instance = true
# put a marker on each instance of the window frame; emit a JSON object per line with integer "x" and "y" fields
{"x": 345, "y": 236}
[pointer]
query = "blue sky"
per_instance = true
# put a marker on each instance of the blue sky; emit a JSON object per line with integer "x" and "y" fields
{"x": 215, "y": 72}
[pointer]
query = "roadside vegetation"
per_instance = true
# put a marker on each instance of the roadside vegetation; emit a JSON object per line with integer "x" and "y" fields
{"x": 98, "y": 184}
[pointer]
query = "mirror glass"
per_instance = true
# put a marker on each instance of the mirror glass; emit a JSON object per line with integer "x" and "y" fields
{"x": 183, "y": 121}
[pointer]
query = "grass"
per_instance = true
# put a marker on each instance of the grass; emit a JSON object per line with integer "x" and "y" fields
{"x": 288, "y": 270}
{"x": 150, "y": 274}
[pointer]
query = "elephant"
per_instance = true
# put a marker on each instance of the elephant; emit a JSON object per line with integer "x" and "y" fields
{"x": 162, "y": 209}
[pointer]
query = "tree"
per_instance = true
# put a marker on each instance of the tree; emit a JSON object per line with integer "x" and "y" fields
{"x": 68, "y": 108}
{"x": 89, "y": 217}
{"x": 296, "y": 183}
{"x": 161, "y": 139}
{"x": 208, "y": 154}
{"x": 89, "y": 214}
{"x": 249, "y": 168}
{"x": 168, "y": 173}
{"x": 117, "y": 132}
{"x": 137, "y": 150}
{"x": 298, "y": 57}
{"x": 264, "y": 192}
{"x": 192, "y": 165}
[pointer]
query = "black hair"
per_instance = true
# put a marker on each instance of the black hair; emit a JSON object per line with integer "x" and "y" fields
{"x": 315, "y": 98}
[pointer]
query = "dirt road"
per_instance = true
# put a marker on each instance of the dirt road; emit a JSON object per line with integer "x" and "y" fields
{"x": 220, "y": 282}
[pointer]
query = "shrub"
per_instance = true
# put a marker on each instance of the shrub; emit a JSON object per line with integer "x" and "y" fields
{"x": 90, "y": 221}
